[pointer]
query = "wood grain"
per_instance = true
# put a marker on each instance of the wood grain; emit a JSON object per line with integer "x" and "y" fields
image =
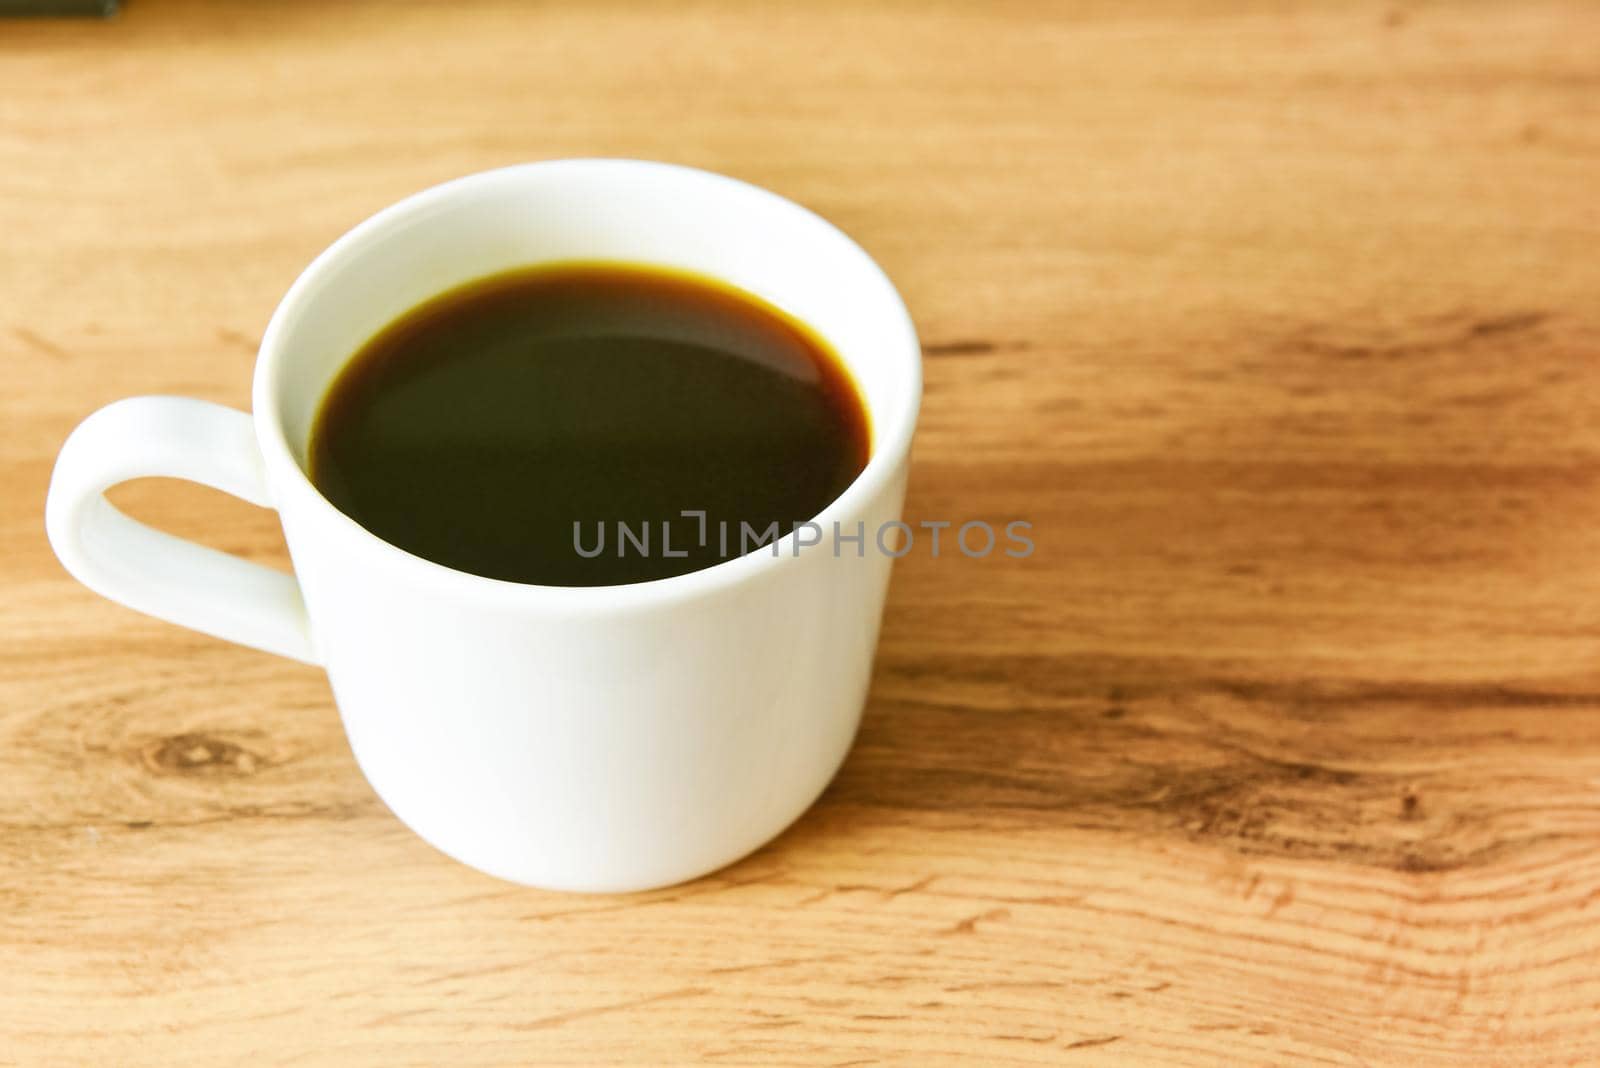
{"x": 1278, "y": 321}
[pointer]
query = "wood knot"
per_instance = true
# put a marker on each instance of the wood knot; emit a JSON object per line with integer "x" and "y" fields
{"x": 1410, "y": 805}
{"x": 200, "y": 754}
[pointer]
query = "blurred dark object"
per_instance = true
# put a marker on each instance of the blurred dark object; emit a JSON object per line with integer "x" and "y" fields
{"x": 58, "y": 7}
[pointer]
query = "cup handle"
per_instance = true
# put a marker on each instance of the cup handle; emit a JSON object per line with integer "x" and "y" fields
{"x": 155, "y": 572}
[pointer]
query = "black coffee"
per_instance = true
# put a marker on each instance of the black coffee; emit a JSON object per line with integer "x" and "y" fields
{"x": 507, "y": 427}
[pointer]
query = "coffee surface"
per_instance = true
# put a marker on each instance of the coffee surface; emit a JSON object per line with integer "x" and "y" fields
{"x": 506, "y": 427}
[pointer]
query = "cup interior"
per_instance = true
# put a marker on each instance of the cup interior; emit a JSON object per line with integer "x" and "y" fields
{"x": 622, "y": 210}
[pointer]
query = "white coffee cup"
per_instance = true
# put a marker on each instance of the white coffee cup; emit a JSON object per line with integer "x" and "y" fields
{"x": 602, "y": 738}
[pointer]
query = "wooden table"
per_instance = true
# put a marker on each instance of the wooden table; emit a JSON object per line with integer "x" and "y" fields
{"x": 1278, "y": 321}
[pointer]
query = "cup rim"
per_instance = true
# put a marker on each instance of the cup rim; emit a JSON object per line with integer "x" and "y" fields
{"x": 892, "y": 428}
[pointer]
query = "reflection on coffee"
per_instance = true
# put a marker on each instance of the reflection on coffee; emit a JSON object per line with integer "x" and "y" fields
{"x": 479, "y": 427}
